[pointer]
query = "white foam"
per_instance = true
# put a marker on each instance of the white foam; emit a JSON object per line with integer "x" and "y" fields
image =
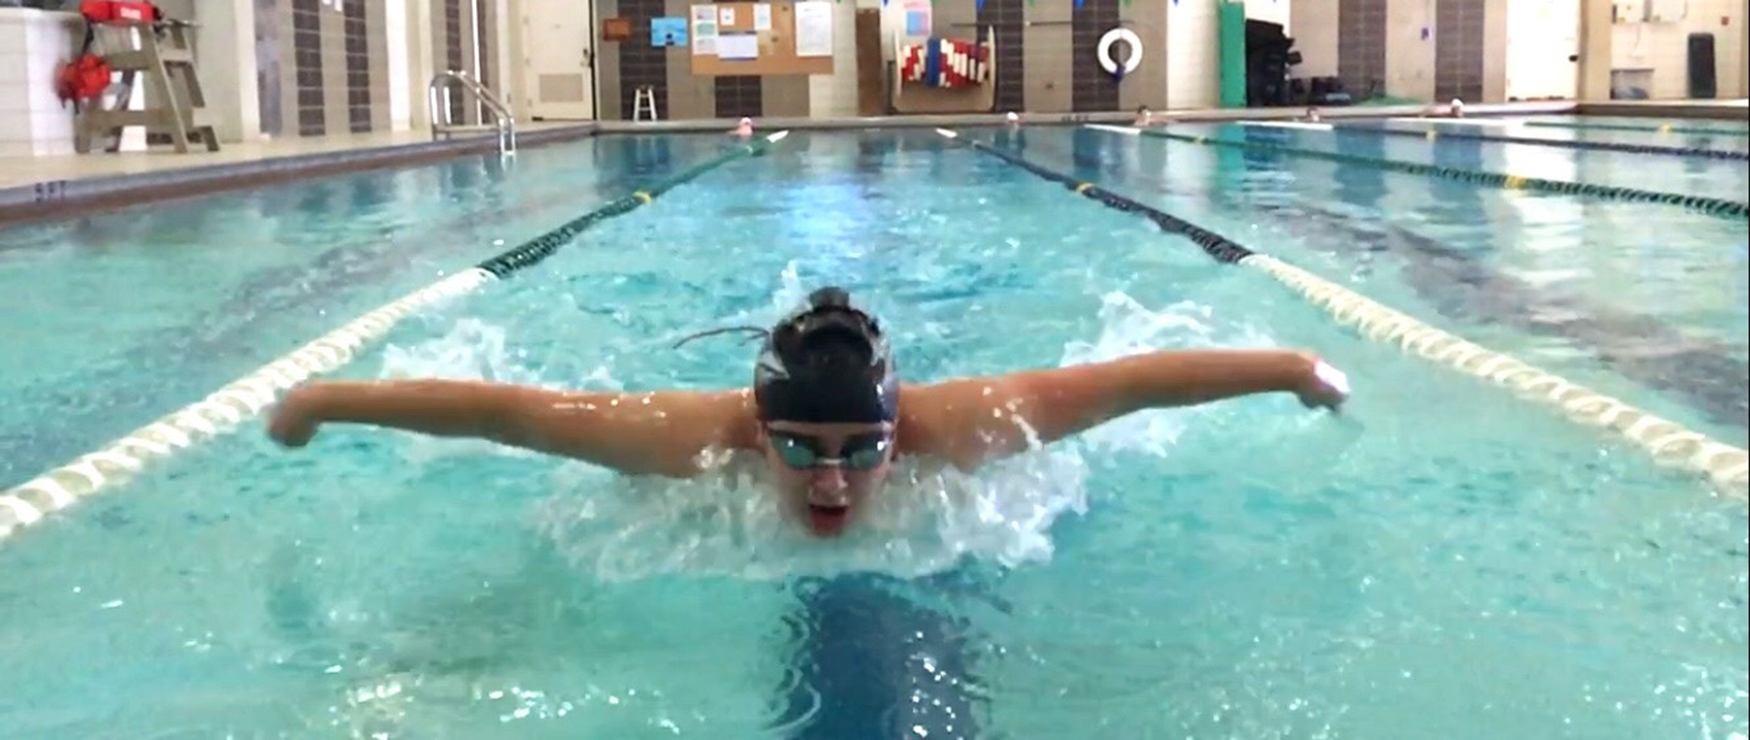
{"x": 728, "y": 522}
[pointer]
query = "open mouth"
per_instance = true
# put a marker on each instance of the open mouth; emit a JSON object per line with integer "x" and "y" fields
{"x": 826, "y": 518}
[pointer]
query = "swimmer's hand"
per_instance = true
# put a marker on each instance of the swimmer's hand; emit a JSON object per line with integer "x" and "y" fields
{"x": 970, "y": 420}
{"x": 1324, "y": 386}
{"x": 294, "y": 420}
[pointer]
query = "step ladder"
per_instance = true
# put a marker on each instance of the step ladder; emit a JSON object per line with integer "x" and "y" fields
{"x": 161, "y": 54}
{"x": 644, "y": 103}
{"x": 442, "y": 127}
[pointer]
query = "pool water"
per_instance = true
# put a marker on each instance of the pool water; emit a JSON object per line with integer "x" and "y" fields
{"x": 1442, "y": 560}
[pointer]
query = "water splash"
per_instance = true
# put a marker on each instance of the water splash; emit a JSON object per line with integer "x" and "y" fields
{"x": 1129, "y": 328}
{"x": 729, "y": 523}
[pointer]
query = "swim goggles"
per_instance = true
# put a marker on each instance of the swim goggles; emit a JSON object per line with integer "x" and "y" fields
{"x": 859, "y": 452}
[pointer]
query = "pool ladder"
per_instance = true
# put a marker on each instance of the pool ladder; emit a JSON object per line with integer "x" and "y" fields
{"x": 442, "y": 127}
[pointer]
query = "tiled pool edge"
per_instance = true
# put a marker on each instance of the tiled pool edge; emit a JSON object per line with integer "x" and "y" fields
{"x": 60, "y": 198}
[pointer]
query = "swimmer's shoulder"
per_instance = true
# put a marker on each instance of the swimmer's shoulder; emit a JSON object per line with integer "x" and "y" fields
{"x": 736, "y": 418}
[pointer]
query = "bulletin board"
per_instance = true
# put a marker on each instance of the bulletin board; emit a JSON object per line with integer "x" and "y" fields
{"x": 772, "y": 48}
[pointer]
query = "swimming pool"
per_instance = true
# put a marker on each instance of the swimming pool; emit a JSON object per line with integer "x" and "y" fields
{"x": 1442, "y": 561}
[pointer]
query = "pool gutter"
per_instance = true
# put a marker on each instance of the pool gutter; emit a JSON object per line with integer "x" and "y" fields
{"x": 61, "y": 198}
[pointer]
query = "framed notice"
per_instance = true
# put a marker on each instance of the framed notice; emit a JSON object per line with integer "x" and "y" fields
{"x": 814, "y": 28}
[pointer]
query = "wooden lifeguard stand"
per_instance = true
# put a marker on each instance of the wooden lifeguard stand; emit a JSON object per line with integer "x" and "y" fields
{"x": 160, "y": 53}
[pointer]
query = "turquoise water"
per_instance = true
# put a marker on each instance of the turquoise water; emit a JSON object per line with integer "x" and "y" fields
{"x": 1441, "y": 561}
{"x": 1658, "y": 292}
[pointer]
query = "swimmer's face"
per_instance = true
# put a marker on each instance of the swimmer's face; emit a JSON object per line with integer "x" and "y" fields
{"x": 825, "y": 473}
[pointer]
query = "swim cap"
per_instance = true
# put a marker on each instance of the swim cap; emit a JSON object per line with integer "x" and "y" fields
{"x": 826, "y": 363}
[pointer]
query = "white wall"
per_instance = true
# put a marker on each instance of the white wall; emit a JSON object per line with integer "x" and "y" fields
{"x": 33, "y": 45}
{"x": 395, "y": 24}
{"x": 1409, "y": 49}
{"x": 225, "y": 61}
{"x": 1540, "y": 36}
{"x": 1193, "y": 55}
{"x": 1272, "y": 11}
{"x": 1663, "y": 47}
{"x": 836, "y": 94}
{"x": 1313, "y": 25}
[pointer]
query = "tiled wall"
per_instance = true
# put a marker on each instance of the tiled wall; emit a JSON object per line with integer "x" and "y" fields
{"x": 1092, "y": 89}
{"x": 1007, "y": 19}
{"x": 321, "y": 69}
{"x": 358, "y": 67}
{"x": 1663, "y": 48}
{"x": 1458, "y": 49}
{"x": 1361, "y": 45}
{"x": 309, "y": 86}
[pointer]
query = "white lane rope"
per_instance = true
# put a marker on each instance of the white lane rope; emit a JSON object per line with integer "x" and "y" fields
{"x": 57, "y": 489}
{"x": 1669, "y": 443}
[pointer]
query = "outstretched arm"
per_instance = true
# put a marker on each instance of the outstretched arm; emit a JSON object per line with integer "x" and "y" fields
{"x": 639, "y": 433}
{"x": 971, "y": 420}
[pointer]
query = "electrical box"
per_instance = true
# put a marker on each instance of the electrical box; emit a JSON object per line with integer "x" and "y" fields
{"x": 1667, "y": 11}
{"x": 1627, "y": 11}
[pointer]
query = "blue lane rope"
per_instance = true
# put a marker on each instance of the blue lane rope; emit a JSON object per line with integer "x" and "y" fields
{"x": 1711, "y": 206}
{"x": 1604, "y": 146}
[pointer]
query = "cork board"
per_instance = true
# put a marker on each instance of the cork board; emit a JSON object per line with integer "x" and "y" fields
{"x": 774, "y": 41}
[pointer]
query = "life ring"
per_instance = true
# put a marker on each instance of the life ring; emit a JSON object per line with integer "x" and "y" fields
{"x": 1131, "y": 61}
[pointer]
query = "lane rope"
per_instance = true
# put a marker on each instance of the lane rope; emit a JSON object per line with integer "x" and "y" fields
{"x": 1669, "y": 443}
{"x": 32, "y": 502}
{"x": 1434, "y": 134}
{"x": 1660, "y": 129}
{"x": 1710, "y": 206}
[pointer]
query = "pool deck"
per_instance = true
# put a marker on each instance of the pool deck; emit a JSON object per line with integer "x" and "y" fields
{"x": 35, "y": 188}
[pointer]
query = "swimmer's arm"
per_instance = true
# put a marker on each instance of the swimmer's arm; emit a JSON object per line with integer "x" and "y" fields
{"x": 971, "y": 420}
{"x": 636, "y": 433}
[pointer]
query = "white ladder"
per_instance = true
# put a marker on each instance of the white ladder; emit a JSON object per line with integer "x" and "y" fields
{"x": 644, "y": 101}
{"x": 441, "y": 125}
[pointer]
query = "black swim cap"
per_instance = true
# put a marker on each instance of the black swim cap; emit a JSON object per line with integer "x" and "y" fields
{"x": 826, "y": 363}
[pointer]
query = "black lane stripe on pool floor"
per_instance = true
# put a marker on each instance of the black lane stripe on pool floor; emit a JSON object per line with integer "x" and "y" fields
{"x": 1700, "y": 375}
{"x": 541, "y": 247}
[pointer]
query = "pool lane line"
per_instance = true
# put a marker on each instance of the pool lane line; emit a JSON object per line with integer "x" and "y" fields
{"x": 31, "y": 502}
{"x": 1670, "y": 444}
{"x": 1660, "y": 129}
{"x": 1710, "y": 206}
{"x": 1434, "y": 134}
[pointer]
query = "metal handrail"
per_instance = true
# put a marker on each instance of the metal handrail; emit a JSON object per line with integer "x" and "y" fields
{"x": 501, "y": 117}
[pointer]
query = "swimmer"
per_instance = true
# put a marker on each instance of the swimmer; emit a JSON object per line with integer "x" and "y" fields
{"x": 743, "y": 128}
{"x": 1012, "y": 118}
{"x": 826, "y": 412}
{"x": 1144, "y": 117}
{"x": 1312, "y": 114}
